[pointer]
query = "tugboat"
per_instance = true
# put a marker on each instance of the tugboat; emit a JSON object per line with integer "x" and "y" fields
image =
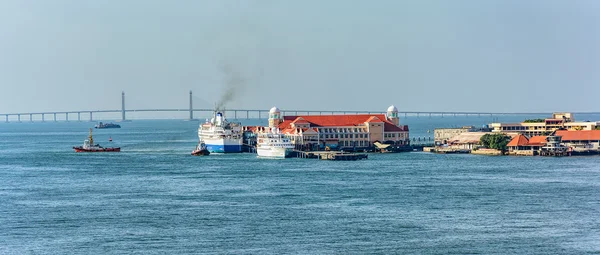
{"x": 89, "y": 146}
{"x": 107, "y": 125}
{"x": 201, "y": 150}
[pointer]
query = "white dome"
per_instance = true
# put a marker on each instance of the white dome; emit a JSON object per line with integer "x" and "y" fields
{"x": 392, "y": 108}
{"x": 274, "y": 110}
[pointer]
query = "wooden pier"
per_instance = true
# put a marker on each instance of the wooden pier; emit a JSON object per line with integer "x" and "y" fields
{"x": 555, "y": 153}
{"x": 303, "y": 154}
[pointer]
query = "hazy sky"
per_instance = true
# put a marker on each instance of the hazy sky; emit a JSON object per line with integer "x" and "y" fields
{"x": 460, "y": 55}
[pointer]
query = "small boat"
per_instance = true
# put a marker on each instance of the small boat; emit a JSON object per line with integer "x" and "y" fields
{"x": 89, "y": 146}
{"x": 107, "y": 125}
{"x": 201, "y": 150}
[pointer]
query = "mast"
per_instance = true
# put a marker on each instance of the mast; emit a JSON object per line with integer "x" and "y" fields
{"x": 90, "y": 137}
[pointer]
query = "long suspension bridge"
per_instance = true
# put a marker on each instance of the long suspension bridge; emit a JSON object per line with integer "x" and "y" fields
{"x": 82, "y": 115}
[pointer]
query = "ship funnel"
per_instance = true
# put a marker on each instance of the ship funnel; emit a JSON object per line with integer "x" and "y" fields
{"x": 218, "y": 120}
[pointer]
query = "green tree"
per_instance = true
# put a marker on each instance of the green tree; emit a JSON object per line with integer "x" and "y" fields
{"x": 534, "y": 120}
{"x": 496, "y": 141}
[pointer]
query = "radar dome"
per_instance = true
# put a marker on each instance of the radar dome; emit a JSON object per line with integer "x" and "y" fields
{"x": 274, "y": 110}
{"x": 392, "y": 108}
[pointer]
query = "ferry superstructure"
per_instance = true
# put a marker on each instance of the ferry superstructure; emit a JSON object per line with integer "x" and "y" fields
{"x": 221, "y": 136}
{"x": 273, "y": 145}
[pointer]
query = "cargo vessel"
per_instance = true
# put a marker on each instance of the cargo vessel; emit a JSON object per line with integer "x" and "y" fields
{"x": 107, "y": 125}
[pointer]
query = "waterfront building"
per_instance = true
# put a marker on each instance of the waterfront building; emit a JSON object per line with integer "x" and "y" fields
{"x": 554, "y": 147}
{"x": 524, "y": 146}
{"x": 441, "y": 136}
{"x": 580, "y": 140}
{"x": 344, "y": 132}
{"x": 469, "y": 140}
{"x": 562, "y": 142}
{"x": 465, "y": 141}
{"x": 541, "y": 127}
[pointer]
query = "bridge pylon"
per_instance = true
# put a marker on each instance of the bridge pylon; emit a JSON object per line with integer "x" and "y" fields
{"x": 122, "y": 105}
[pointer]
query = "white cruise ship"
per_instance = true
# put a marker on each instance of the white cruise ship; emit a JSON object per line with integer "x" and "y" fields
{"x": 221, "y": 136}
{"x": 273, "y": 145}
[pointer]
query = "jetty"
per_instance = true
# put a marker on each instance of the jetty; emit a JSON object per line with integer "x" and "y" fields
{"x": 329, "y": 155}
{"x": 343, "y": 156}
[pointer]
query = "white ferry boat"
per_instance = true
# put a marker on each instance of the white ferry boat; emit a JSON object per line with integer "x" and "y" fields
{"x": 273, "y": 145}
{"x": 221, "y": 136}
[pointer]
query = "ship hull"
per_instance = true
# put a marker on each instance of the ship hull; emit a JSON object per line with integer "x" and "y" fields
{"x": 224, "y": 145}
{"x": 201, "y": 152}
{"x": 80, "y": 149}
{"x": 273, "y": 152}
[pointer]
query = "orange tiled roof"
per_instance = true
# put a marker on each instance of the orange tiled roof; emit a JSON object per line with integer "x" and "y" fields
{"x": 300, "y": 120}
{"x": 289, "y": 131}
{"x": 341, "y": 121}
{"x": 579, "y": 135}
{"x": 311, "y": 129}
{"x": 519, "y": 140}
{"x": 373, "y": 119}
{"x": 285, "y": 124}
{"x": 537, "y": 141}
{"x": 251, "y": 128}
{"x": 336, "y": 120}
{"x": 389, "y": 127}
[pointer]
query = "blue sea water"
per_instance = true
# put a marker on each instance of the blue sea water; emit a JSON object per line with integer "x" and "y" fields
{"x": 154, "y": 198}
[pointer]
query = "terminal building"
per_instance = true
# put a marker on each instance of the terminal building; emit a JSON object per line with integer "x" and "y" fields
{"x": 343, "y": 132}
{"x": 543, "y": 127}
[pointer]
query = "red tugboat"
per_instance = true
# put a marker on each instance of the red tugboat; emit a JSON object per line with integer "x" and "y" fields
{"x": 89, "y": 146}
{"x": 200, "y": 150}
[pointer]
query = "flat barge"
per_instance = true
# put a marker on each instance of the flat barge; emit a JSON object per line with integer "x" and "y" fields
{"x": 329, "y": 155}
